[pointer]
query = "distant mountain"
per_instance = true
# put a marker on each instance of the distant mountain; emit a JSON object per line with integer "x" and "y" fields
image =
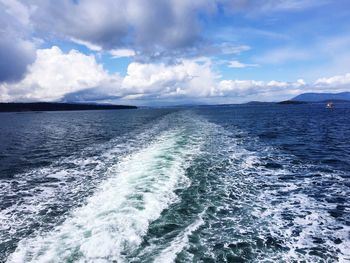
{"x": 320, "y": 97}
{"x": 53, "y": 106}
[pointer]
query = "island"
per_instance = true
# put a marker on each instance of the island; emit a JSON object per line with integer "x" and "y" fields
{"x": 292, "y": 102}
{"x": 56, "y": 106}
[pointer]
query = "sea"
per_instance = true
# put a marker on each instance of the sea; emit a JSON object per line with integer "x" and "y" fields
{"x": 234, "y": 183}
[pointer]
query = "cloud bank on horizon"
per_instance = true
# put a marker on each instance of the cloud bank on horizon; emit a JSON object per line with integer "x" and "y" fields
{"x": 172, "y": 51}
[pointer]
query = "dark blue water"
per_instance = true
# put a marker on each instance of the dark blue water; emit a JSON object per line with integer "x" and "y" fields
{"x": 209, "y": 184}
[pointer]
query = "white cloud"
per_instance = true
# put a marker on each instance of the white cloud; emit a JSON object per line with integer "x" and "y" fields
{"x": 87, "y": 44}
{"x": 70, "y": 76}
{"x": 55, "y": 74}
{"x": 245, "y": 90}
{"x": 238, "y": 87}
{"x": 115, "y": 53}
{"x": 188, "y": 78}
{"x": 122, "y": 52}
{"x": 237, "y": 64}
{"x": 335, "y": 81}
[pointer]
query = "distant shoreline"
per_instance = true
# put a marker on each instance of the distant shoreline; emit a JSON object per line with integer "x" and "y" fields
{"x": 55, "y": 106}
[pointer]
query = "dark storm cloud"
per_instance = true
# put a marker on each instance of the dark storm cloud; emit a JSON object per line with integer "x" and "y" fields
{"x": 155, "y": 29}
{"x": 15, "y": 56}
{"x": 99, "y": 22}
{"x": 16, "y": 51}
{"x": 151, "y": 27}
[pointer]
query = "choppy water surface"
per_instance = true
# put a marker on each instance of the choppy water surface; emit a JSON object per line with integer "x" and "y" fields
{"x": 212, "y": 184}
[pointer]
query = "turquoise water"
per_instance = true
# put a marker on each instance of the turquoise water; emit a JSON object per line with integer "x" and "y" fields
{"x": 224, "y": 184}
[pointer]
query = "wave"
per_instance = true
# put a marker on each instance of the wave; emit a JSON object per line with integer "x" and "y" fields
{"x": 181, "y": 241}
{"x": 115, "y": 218}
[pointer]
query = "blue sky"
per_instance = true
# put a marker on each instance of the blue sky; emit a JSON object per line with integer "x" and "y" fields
{"x": 161, "y": 52}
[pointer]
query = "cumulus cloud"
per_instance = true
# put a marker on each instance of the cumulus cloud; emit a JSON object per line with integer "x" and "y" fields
{"x": 17, "y": 51}
{"x": 55, "y": 74}
{"x": 74, "y": 76}
{"x": 191, "y": 78}
{"x": 337, "y": 82}
{"x": 246, "y": 90}
{"x": 258, "y": 90}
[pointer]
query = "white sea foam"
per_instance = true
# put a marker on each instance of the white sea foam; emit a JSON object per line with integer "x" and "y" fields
{"x": 251, "y": 203}
{"x": 40, "y": 198}
{"x": 181, "y": 241}
{"x": 114, "y": 220}
{"x": 272, "y": 209}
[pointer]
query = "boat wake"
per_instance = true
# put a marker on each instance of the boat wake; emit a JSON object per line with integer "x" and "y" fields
{"x": 188, "y": 190}
{"x": 115, "y": 218}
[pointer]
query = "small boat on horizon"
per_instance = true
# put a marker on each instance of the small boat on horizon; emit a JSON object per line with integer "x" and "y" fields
{"x": 329, "y": 105}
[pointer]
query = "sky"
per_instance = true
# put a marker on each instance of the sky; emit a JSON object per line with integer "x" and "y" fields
{"x": 172, "y": 52}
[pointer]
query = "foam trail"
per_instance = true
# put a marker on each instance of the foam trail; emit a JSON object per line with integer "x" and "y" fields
{"x": 169, "y": 254}
{"x": 112, "y": 223}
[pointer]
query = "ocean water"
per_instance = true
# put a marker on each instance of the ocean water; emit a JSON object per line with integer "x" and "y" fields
{"x": 210, "y": 184}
